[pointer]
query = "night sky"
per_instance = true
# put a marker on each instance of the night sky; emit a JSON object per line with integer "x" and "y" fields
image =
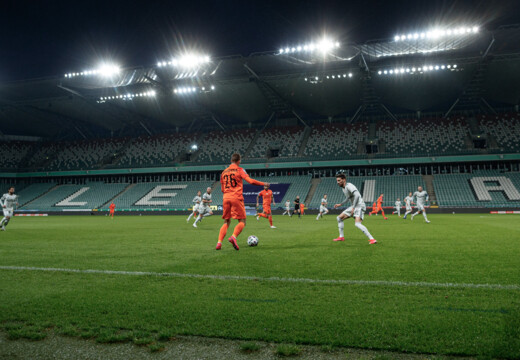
{"x": 47, "y": 38}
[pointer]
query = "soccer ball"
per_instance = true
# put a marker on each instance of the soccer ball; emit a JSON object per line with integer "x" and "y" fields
{"x": 252, "y": 240}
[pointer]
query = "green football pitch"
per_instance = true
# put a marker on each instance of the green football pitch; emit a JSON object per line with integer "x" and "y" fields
{"x": 449, "y": 287}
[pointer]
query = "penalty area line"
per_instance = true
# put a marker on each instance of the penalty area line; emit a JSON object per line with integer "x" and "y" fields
{"x": 270, "y": 279}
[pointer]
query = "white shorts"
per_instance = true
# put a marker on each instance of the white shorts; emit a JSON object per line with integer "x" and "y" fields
{"x": 204, "y": 210}
{"x": 359, "y": 211}
{"x": 420, "y": 207}
{"x": 323, "y": 209}
{"x": 8, "y": 212}
{"x": 408, "y": 208}
{"x": 288, "y": 209}
{"x": 196, "y": 207}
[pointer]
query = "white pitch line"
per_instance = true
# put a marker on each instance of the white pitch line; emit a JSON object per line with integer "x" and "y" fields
{"x": 271, "y": 279}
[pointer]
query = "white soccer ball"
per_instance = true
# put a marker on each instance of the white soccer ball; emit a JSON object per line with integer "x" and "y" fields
{"x": 252, "y": 240}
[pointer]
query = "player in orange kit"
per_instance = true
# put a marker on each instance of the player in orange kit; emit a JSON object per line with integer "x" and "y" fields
{"x": 112, "y": 208}
{"x": 233, "y": 200}
{"x": 302, "y": 209}
{"x": 267, "y": 198}
{"x": 379, "y": 207}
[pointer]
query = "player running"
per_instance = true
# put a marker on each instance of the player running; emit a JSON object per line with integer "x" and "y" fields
{"x": 374, "y": 207}
{"x": 323, "y": 207}
{"x": 356, "y": 210}
{"x": 204, "y": 209}
{"x": 267, "y": 197}
{"x": 297, "y": 209}
{"x": 408, "y": 201}
{"x": 397, "y": 207}
{"x": 379, "y": 207}
{"x": 287, "y": 208}
{"x": 7, "y": 202}
{"x": 233, "y": 199}
{"x": 196, "y": 203}
{"x": 422, "y": 198}
{"x": 112, "y": 208}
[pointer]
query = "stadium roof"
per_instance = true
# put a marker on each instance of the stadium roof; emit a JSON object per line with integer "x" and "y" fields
{"x": 347, "y": 81}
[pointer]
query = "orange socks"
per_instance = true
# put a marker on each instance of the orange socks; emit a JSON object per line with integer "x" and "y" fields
{"x": 223, "y": 231}
{"x": 238, "y": 229}
{"x": 270, "y": 220}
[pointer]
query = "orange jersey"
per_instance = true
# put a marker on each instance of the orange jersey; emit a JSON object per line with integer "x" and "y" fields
{"x": 112, "y": 207}
{"x": 380, "y": 200}
{"x": 267, "y": 196}
{"x": 231, "y": 182}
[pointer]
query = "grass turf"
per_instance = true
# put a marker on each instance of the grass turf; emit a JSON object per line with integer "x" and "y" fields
{"x": 148, "y": 310}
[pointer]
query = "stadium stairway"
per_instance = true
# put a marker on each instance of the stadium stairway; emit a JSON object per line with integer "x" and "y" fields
{"x": 120, "y": 153}
{"x": 430, "y": 189}
{"x": 34, "y": 192}
{"x": 314, "y": 186}
{"x": 118, "y": 195}
{"x": 252, "y": 144}
{"x": 305, "y": 139}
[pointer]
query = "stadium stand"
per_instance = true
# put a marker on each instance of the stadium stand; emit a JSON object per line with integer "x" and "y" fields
{"x": 335, "y": 141}
{"x": 32, "y": 191}
{"x": 86, "y": 154}
{"x": 392, "y": 186}
{"x": 505, "y": 128}
{"x": 133, "y": 197}
{"x": 217, "y": 146}
{"x": 287, "y": 140}
{"x": 423, "y": 137}
{"x": 156, "y": 150}
{"x": 456, "y": 190}
{"x": 92, "y": 195}
{"x": 12, "y": 153}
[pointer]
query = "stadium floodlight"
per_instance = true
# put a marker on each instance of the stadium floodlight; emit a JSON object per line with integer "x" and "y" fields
{"x": 187, "y": 61}
{"x": 129, "y": 96}
{"x": 414, "y": 70}
{"x": 437, "y": 33}
{"x": 105, "y": 70}
{"x": 324, "y": 45}
{"x": 192, "y": 89}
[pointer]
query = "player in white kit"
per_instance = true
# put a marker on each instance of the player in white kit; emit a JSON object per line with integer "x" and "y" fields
{"x": 323, "y": 207}
{"x": 8, "y": 201}
{"x": 422, "y": 199}
{"x": 356, "y": 210}
{"x": 408, "y": 201}
{"x": 204, "y": 209}
{"x": 196, "y": 202}
{"x": 287, "y": 208}
{"x": 397, "y": 207}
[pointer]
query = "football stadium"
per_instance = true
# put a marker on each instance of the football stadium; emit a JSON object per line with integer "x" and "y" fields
{"x": 131, "y": 229}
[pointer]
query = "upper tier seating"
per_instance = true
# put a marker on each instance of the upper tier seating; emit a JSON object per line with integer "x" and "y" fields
{"x": 423, "y": 137}
{"x": 157, "y": 150}
{"x": 335, "y": 141}
{"x": 12, "y": 153}
{"x": 217, "y": 146}
{"x": 287, "y": 139}
{"x": 505, "y": 128}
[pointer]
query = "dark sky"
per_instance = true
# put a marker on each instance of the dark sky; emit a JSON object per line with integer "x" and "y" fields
{"x": 45, "y": 38}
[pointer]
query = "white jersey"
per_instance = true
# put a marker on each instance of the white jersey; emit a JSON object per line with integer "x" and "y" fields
{"x": 9, "y": 201}
{"x": 196, "y": 200}
{"x": 408, "y": 201}
{"x": 324, "y": 202}
{"x": 422, "y": 197}
{"x": 206, "y": 196}
{"x": 287, "y": 204}
{"x": 351, "y": 192}
{"x": 397, "y": 204}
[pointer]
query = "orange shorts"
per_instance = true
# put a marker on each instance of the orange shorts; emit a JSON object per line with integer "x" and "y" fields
{"x": 266, "y": 210}
{"x": 233, "y": 208}
{"x": 111, "y": 211}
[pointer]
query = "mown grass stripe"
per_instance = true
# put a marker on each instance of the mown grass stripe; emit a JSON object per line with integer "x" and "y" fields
{"x": 272, "y": 279}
